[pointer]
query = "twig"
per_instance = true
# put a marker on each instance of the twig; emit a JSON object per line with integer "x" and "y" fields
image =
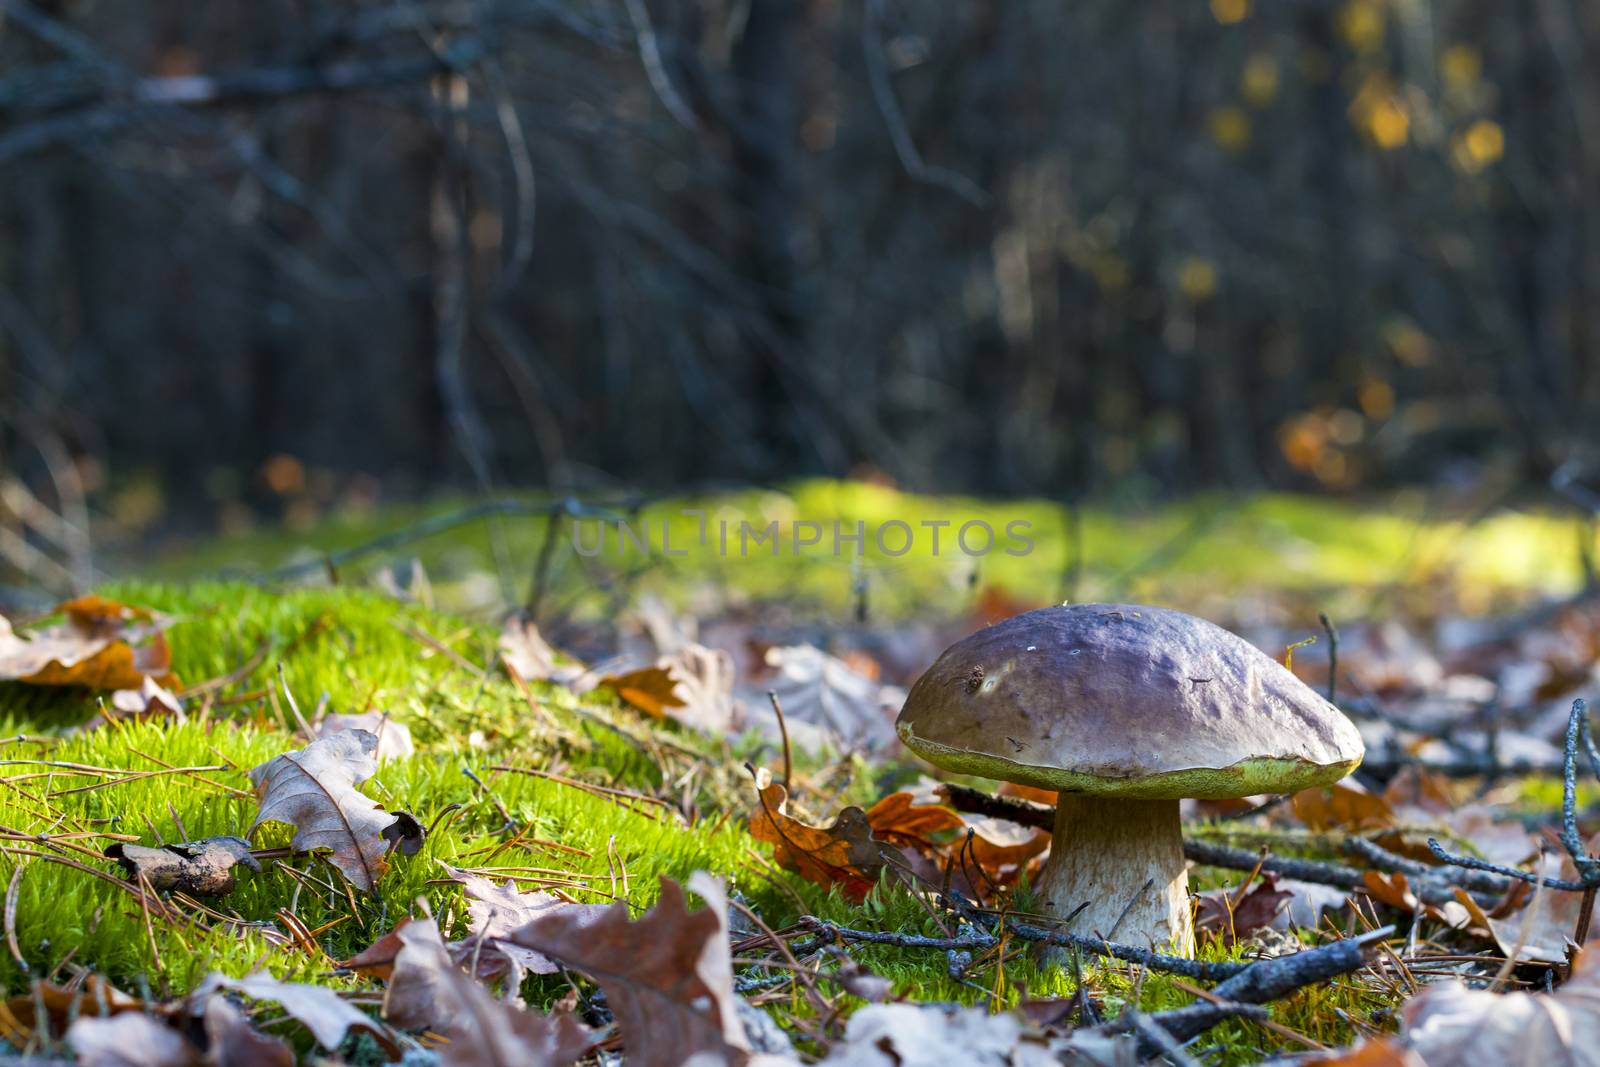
{"x": 983, "y": 940}
{"x": 1333, "y": 654}
{"x": 1472, "y": 863}
{"x": 888, "y": 107}
{"x": 783, "y": 731}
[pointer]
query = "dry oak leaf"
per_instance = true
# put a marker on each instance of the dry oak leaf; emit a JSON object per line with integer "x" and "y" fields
{"x": 313, "y": 789}
{"x": 651, "y": 689}
{"x": 100, "y": 644}
{"x": 321, "y": 1010}
{"x": 202, "y": 868}
{"x": 668, "y": 977}
{"x": 495, "y": 912}
{"x": 429, "y": 988}
{"x": 900, "y": 819}
{"x": 1343, "y": 806}
{"x": 692, "y": 685}
{"x": 826, "y": 702}
{"x": 1449, "y": 1025}
{"x": 1543, "y": 929}
{"x": 844, "y": 853}
{"x": 529, "y": 657}
{"x": 930, "y": 1035}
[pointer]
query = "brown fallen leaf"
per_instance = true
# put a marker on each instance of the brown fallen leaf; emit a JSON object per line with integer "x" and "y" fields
{"x": 1544, "y": 927}
{"x": 1378, "y": 1052}
{"x": 1001, "y": 847}
{"x": 100, "y": 645}
{"x": 1449, "y": 1025}
{"x": 1345, "y": 806}
{"x": 19, "y": 1019}
{"x": 313, "y": 789}
{"x": 495, "y": 911}
{"x": 202, "y": 868}
{"x": 394, "y": 739}
{"x": 1236, "y": 917}
{"x": 901, "y": 820}
{"x": 651, "y": 689}
{"x": 843, "y": 853}
{"x": 428, "y": 988}
{"x": 130, "y": 1039}
{"x": 232, "y": 1042}
{"x": 668, "y": 977}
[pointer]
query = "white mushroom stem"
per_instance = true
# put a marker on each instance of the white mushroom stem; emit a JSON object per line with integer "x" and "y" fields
{"x": 1124, "y": 859}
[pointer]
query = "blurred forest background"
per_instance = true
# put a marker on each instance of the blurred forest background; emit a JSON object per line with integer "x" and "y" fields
{"x": 274, "y": 250}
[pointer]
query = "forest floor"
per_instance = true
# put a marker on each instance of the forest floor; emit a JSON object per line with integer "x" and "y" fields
{"x": 646, "y": 749}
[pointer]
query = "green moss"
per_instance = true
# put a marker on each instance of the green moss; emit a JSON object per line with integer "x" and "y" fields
{"x": 1337, "y": 554}
{"x": 363, "y": 651}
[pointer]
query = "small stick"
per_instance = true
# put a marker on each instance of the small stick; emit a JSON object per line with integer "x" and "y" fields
{"x": 12, "y": 891}
{"x": 1333, "y": 654}
{"x": 783, "y": 731}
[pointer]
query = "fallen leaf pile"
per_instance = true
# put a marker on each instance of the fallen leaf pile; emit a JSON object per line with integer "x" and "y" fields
{"x": 100, "y": 644}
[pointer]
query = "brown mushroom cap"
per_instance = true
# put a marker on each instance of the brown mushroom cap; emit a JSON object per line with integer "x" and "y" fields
{"x": 1125, "y": 700}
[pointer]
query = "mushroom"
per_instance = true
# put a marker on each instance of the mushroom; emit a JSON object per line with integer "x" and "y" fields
{"x": 1123, "y": 710}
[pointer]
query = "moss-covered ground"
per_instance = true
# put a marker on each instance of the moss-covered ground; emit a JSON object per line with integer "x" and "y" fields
{"x": 354, "y": 650}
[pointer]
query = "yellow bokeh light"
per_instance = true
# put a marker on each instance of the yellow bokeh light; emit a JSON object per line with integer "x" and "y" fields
{"x": 1197, "y": 279}
{"x": 1388, "y": 123}
{"x": 1361, "y": 24}
{"x": 1478, "y": 146}
{"x": 1461, "y": 66}
{"x": 1229, "y": 127}
{"x": 1228, "y": 12}
{"x": 1376, "y": 398}
{"x": 1259, "y": 80}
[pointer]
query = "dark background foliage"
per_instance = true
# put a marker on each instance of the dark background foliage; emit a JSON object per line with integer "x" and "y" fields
{"x": 998, "y": 247}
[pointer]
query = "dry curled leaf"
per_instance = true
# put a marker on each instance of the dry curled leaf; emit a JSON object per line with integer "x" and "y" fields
{"x": 429, "y": 988}
{"x": 130, "y": 1039}
{"x": 18, "y": 1021}
{"x": 529, "y": 657}
{"x": 826, "y": 702}
{"x": 314, "y": 790}
{"x": 495, "y": 912}
{"x": 150, "y": 699}
{"x": 933, "y": 1035}
{"x": 651, "y": 689}
{"x": 101, "y": 644}
{"x": 1449, "y": 1025}
{"x": 232, "y": 1042}
{"x": 668, "y": 977}
{"x": 201, "y": 868}
{"x": 843, "y": 853}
